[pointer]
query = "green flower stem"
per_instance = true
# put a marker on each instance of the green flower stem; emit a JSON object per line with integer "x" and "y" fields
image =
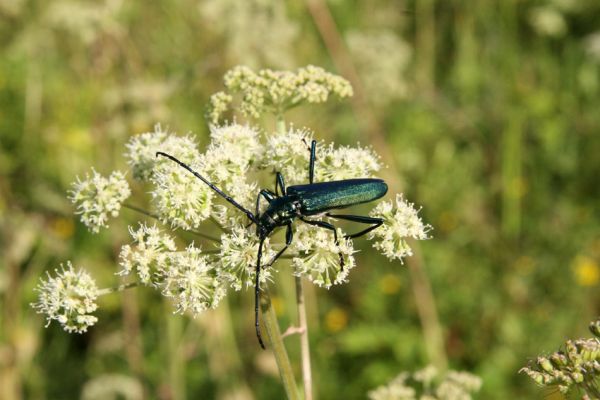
{"x": 149, "y": 214}
{"x": 119, "y": 288}
{"x": 276, "y": 341}
{"x": 140, "y": 210}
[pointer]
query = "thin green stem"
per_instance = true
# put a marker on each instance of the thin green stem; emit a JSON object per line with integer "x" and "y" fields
{"x": 119, "y": 288}
{"x": 140, "y": 210}
{"x": 276, "y": 341}
{"x": 149, "y": 214}
{"x": 218, "y": 224}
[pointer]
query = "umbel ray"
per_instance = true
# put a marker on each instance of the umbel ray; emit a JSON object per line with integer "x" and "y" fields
{"x": 300, "y": 202}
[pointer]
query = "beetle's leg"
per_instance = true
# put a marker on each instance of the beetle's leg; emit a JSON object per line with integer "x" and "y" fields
{"x": 257, "y": 293}
{"x": 327, "y": 225}
{"x": 311, "y": 165}
{"x": 279, "y": 184}
{"x": 267, "y": 194}
{"x": 375, "y": 222}
{"x": 289, "y": 234}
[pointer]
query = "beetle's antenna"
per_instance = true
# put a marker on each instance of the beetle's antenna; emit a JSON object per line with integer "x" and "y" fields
{"x": 213, "y": 187}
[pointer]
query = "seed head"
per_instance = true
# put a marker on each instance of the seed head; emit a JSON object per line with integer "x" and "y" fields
{"x": 98, "y": 198}
{"x": 69, "y": 297}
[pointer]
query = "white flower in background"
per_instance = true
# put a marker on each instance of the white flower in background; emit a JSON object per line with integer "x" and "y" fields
{"x": 68, "y": 297}
{"x": 458, "y": 385}
{"x": 401, "y": 221}
{"x": 191, "y": 281}
{"x": 592, "y": 46}
{"x": 142, "y": 148}
{"x": 276, "y": 91}
{"x": 384, "y": 77}
{"x": 548, "y": 21}
{"x": 99, "y": 198}
{"x": 238, "y": 257}
{"x": 257, "y": 32}
{"x": 319, "y": 256}
{"x": 429, "y": 384}
{"x": 148, "y": 255}
{"x": 397, "y": 389}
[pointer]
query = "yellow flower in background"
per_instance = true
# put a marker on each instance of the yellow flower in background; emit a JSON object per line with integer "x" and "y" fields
{"x": 586, "y": 270}
{"x": 336, "y": 320}
{"x": 390, "y": 284}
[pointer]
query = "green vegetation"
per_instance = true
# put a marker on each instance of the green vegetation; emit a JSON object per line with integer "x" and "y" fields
{"x": 486, "y": 114}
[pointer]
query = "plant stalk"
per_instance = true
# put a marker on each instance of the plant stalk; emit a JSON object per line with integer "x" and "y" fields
{"x": 304, "y": 344}
{"x": 276, "y": 341}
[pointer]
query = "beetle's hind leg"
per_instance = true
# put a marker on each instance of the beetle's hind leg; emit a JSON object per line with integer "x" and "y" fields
{"x": 374, "y": 222}
{"x": 327, "y": 225}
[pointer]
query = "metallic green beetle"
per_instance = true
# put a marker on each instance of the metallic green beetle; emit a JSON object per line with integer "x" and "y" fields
{"x": 299, "y": 202}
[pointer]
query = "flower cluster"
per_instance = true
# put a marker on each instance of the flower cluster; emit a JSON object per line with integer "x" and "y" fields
{"x": 427, "y": 384}
{"x": 576, "y": 366}
{"x": 401, "y": 221}
{"x": 276, "y": 91}
{"x": 98, "y": 198}
{"x": 238, "y": 156}
{"x": 69, "y": 297}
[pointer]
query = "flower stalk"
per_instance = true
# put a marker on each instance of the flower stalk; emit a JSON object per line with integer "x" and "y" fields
{"x": 276, "y": 340}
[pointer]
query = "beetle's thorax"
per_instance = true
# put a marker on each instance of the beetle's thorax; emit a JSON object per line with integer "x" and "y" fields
{"x": 280, "y": 212}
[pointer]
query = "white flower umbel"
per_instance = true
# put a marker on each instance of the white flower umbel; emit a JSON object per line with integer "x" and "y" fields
{"x": 400, "y": 222}
{"x": 69, "y": 297}
{"x": 149, "y": 254}
{"x": 289, "y": 154}
{"x": 234, "y": 148}
{"x": 191, "y": 281}
{"x": 245, "y": 194}
{"x": 180, "y": 198}
{"x": 142, "y": 148}
{"x": 276, "y": 91}
{"x": 238, "y": 258}
{"x": 98, "y": 198}
{"x": 319, "y": 256}
{"x": 334, "y": 164}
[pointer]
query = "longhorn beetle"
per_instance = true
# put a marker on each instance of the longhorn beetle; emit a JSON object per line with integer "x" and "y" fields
{"x": 302, "y": 201}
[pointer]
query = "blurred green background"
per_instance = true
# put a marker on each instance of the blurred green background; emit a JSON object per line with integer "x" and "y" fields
{"x": 486, "y": 113}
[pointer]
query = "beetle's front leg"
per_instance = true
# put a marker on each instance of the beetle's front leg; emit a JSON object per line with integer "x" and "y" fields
{"x": 327, "y": 225}
{"x": 289, "y": 234}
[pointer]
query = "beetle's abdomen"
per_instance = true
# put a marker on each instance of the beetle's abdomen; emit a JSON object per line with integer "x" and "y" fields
{"x": 319, "y": 197}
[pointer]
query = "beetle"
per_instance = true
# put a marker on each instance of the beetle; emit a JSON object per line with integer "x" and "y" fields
{"x": 300, "y": 202}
